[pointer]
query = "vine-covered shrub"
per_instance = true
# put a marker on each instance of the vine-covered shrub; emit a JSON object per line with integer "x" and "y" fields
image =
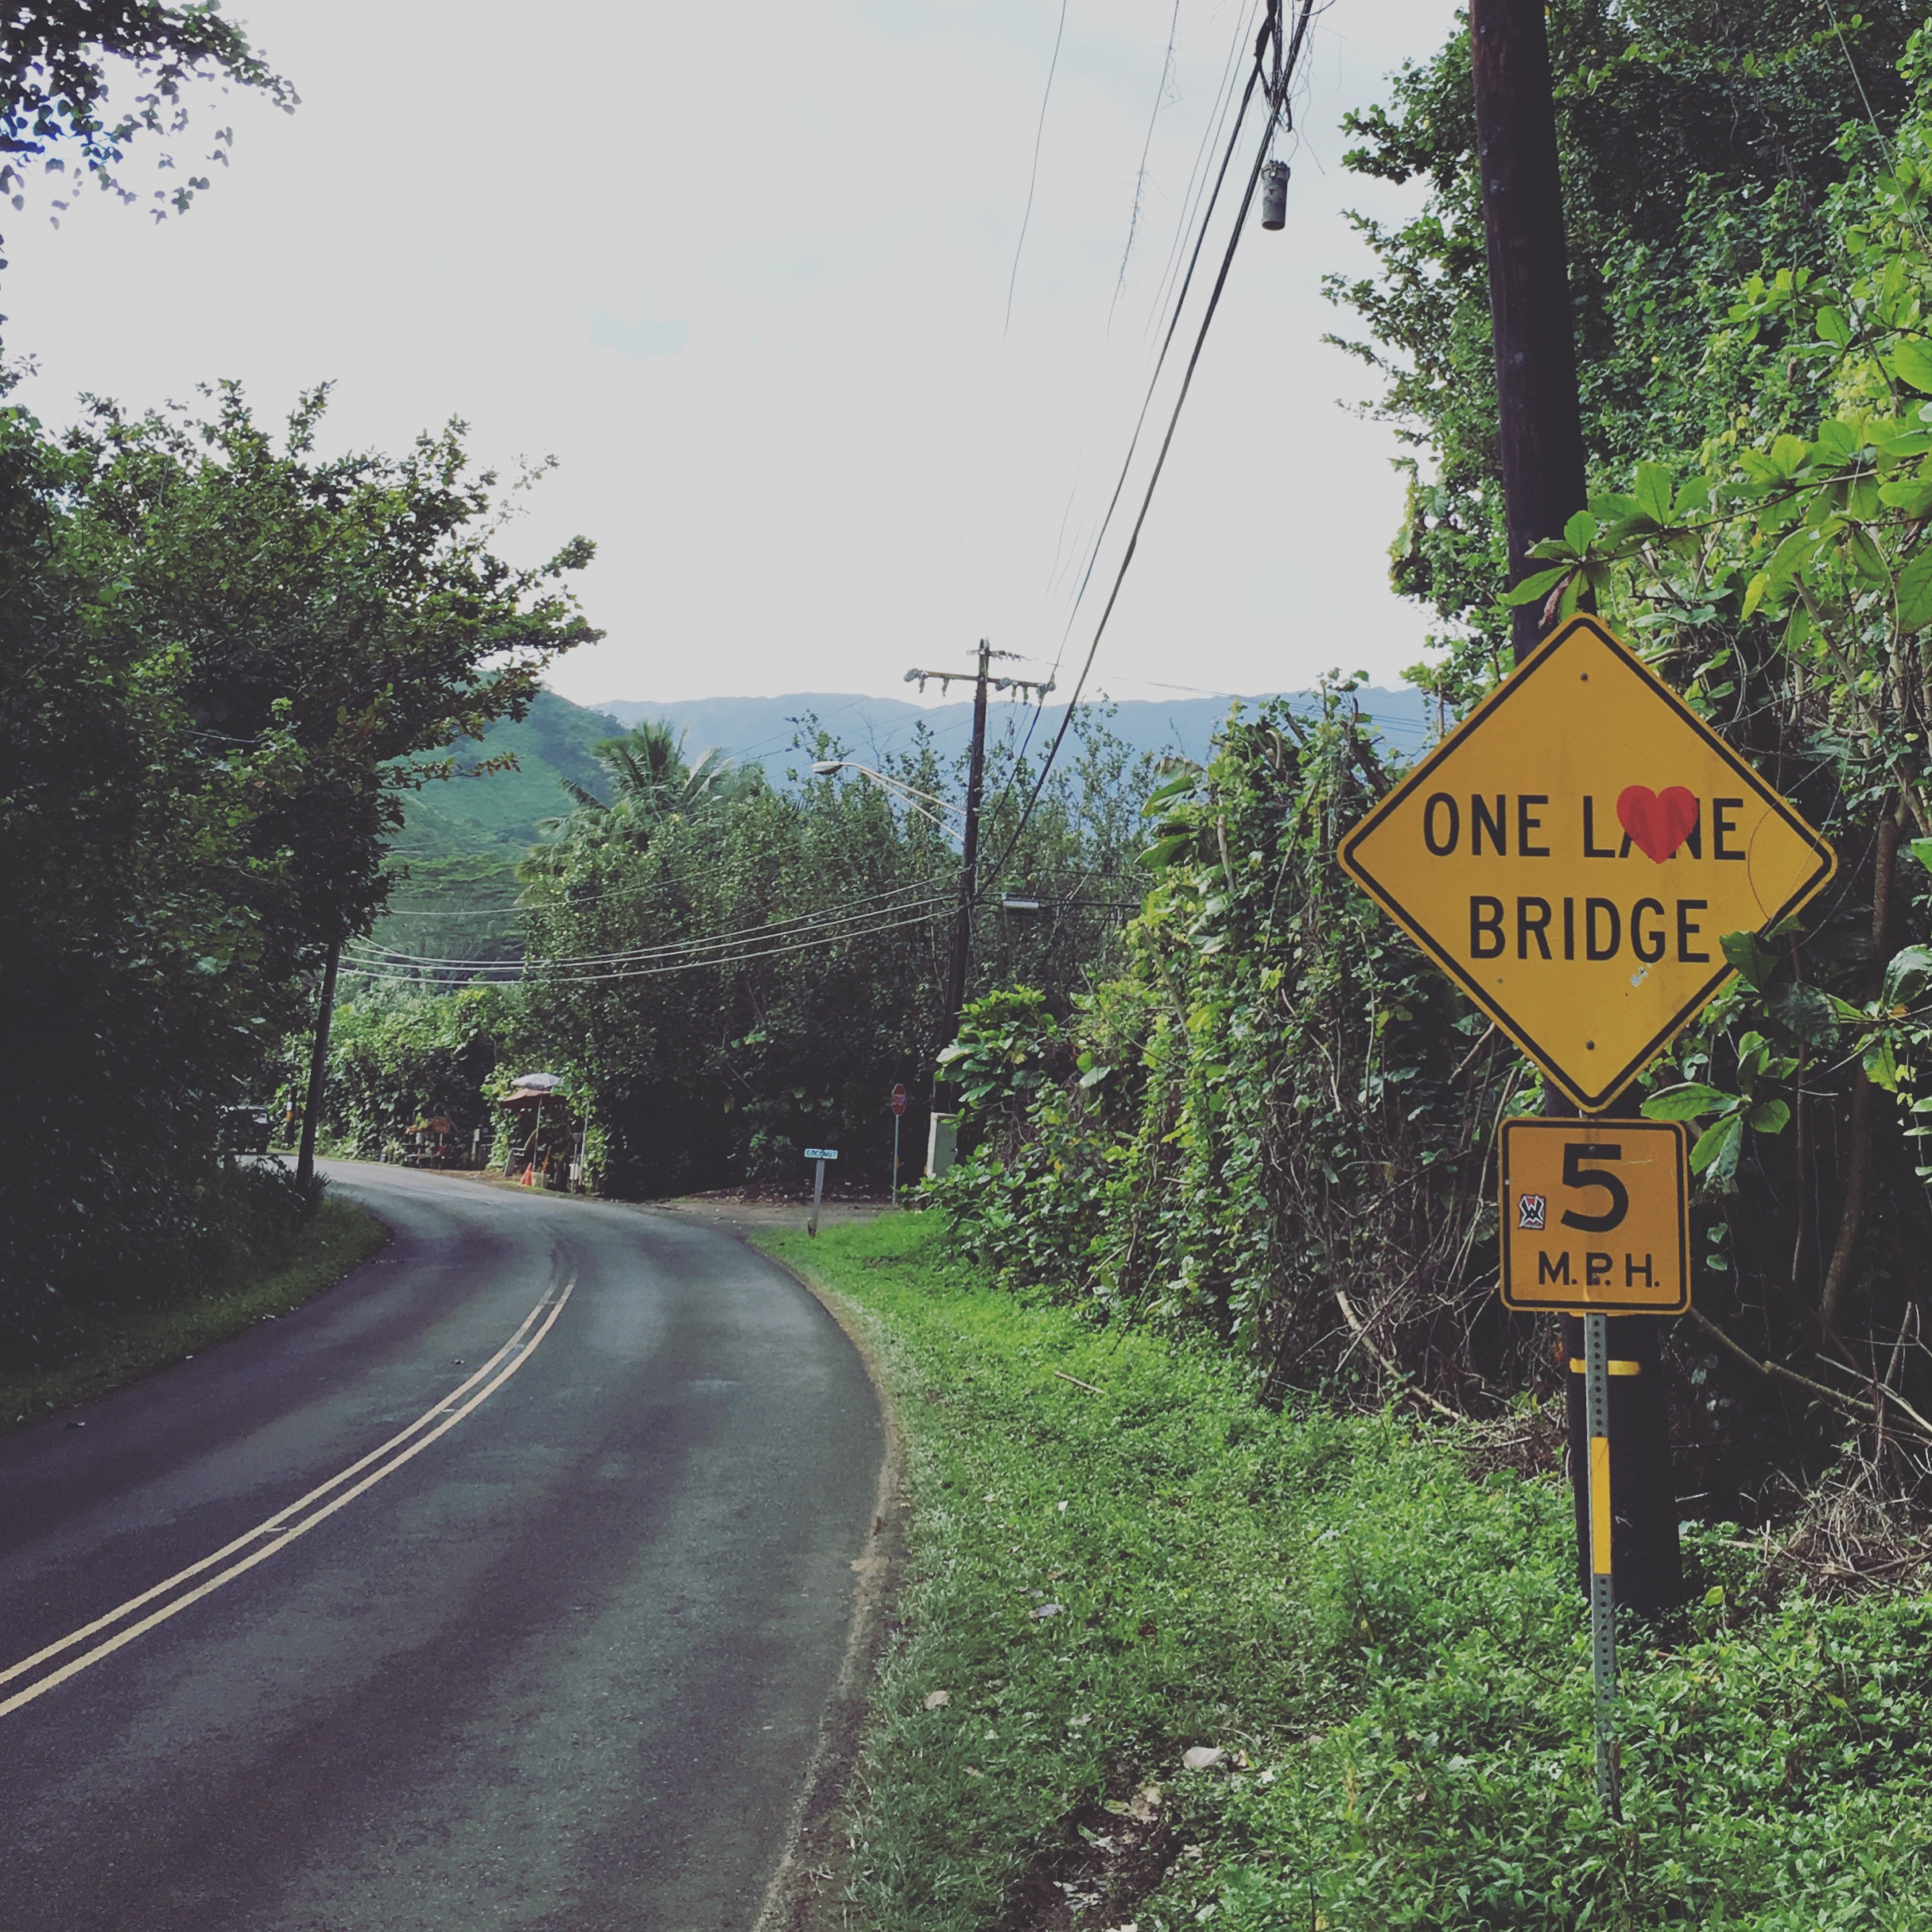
{"x": 397, "y": 1058}
{"x": 1280, "y": 1099}
{"x": 1295, "y": 1145}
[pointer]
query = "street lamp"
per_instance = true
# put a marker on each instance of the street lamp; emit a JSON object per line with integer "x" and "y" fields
{"x": 910, "y": 795}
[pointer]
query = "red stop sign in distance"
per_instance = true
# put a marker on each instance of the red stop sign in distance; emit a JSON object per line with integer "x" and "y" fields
{"x": 899, "y": 1098}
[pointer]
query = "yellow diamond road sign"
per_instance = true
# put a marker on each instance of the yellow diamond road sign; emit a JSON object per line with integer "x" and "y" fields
{"x": 1574, "y": 851}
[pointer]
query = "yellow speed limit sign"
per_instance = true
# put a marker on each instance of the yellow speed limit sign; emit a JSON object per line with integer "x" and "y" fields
{"x": 1595, "y": 1216}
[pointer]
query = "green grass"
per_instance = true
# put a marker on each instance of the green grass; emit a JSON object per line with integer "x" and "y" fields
{"x": 337, "y": 1237}
{"x": 1390, "y": 1653}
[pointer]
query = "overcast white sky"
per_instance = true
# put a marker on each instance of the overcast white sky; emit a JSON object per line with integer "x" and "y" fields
{"x": 743, "y": 271}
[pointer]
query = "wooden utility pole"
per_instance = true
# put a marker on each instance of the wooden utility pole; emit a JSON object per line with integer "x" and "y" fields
{"x": 969, "y": 853}
{"x": 318, "y": 1074}
{"x": 1540, "y": 435}
{"x": 1540, "y": 438}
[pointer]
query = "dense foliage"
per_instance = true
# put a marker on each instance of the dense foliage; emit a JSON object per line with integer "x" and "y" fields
{"x": 1278, "y": 1121}
{"x": 219, "y": 655}
{"x": 725, "y": 971}
{"x": 58, "y": 61}
{"x": 1699, "y": 140}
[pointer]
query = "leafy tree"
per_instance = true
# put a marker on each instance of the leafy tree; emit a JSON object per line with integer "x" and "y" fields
{"x": 223, "y": 662}
{"x": 398, "y": 1056}
{"x": 1698, "y": 139}
{"x": 648, "y": 767}
{"x": 56, "y": 60}
{"x": 728, "y": 970}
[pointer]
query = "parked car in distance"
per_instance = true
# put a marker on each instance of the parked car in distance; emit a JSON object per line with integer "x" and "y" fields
{"x": 245, "y": 1129}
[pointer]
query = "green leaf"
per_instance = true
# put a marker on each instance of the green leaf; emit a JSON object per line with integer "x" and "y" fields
{"x": 1915, "y": 593}
{"x": 1687, "y": 1102}
{"x": 1921, "y": 849}
{"x": 1537, "y": 585}
{"x": 1174, "y": 788}
{"x": 1907, "y": 976}
{"x": 1881, "y": 1064}
{"x": 1807, "y": 1012}
{"x": 1911, "y": 362}
{"x": 1791, "y": 557}
{"x": 1163, "y": 852}
{"x": 1753, "y": 962}
{"x": 1717, "y": 1149}
{"x": 1581, "y": 532}
{"x": 1653, "y": 491}
{"x": 1769, "y": 1117}
{"x": 1913, "y": 495}
{"x": 1833, "y": 328}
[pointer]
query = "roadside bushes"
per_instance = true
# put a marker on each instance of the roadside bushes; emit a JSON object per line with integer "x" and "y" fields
{"x": 398, "y": 1056}
{"x": 1282, "y": 1130}
{"x": 1277, "y": 1101}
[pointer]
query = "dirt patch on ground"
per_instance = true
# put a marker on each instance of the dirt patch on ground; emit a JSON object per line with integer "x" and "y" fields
{"x": 1116, "y": 1854}
{"x": 748, "y": 1212}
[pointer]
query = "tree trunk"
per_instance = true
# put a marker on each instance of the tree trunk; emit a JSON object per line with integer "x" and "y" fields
{"x": 1858, "y": 1156}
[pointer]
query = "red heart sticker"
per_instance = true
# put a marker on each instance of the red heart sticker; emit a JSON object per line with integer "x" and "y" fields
{"x": 1659, "y": 822}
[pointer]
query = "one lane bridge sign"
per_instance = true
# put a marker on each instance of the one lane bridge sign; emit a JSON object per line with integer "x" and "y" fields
{"x": 1572, "y": 854}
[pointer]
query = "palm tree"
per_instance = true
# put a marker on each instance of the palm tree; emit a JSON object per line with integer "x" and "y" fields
{"x": 647, "y": 765}
{"x": 651, "y": 782}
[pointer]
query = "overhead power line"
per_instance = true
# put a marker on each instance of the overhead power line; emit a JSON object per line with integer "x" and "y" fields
{"x": 1160, "y": 363}
{"x": 859, "y": 911}
{"x": 1033, "y": 179}
{"x": 1277, "y": 94}
{"x": 423, "y": 974}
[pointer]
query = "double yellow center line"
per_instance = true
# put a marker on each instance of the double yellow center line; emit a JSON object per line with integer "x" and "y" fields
{"x": 174, "y": 1594}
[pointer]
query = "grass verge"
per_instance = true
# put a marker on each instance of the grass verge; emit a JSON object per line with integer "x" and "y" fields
{"x": 1116, "y": 1558}
{"x": 331, "y": 1241}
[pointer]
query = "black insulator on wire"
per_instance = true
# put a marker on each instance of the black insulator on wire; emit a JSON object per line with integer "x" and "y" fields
{"x": 1274, "y": 194}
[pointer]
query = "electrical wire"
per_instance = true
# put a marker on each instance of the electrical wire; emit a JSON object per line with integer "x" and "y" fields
{"x": 771, "y": 929}
{"x": 1197, "y": 180}
{"x": 1277, "y": 94}
{"x": 1100, "y": 535}
{"x": 424, "y": 976}
{"x": 1033, "y": 179}
{"x": 1146, "y": 148}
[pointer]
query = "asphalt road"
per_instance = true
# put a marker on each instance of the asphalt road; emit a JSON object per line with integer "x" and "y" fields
{"x": 518, "y": 1575}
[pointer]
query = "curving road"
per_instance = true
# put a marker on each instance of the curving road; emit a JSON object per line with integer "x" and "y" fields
{"x": 504, "y": 1585}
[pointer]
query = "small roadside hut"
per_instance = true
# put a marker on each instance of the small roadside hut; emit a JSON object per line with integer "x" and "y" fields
{"x": 540, "y": 1132}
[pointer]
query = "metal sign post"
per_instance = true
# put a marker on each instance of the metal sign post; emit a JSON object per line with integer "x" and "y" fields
{"x": 1575, "y": 856}
{"x": 1603, "y": 1594}
{"x": 820, "y": 1155}
{"x": 898, "y": 1114}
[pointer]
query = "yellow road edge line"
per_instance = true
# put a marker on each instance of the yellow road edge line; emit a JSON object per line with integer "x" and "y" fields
{"x": 270, "y": 1526}
{"x": 284, "y": 1534}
